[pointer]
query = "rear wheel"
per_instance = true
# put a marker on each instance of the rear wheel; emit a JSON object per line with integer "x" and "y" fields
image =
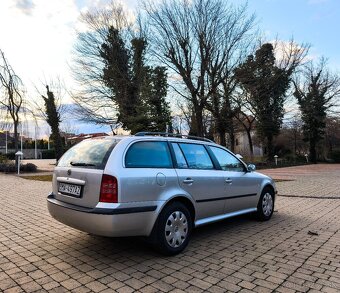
{"x": 173, "y": 229}
{"x": 265, "y": 206}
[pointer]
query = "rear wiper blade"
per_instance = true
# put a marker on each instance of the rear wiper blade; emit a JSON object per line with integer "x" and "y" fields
{"x": 81, "y": 164}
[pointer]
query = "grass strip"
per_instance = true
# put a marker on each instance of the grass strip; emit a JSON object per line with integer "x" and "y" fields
{"x": 38, "y": 177}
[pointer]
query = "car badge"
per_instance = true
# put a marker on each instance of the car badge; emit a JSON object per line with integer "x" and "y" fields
{"x": 69, "y": 172}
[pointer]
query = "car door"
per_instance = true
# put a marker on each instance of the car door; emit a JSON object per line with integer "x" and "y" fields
{"x": 242, "y": 189}
{"x": 198, "y": 176}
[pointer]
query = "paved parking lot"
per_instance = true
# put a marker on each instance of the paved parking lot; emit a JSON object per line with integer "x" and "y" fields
{"x": 238, "y": 255}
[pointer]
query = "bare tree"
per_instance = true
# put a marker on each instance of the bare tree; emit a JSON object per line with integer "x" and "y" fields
{"x": 332, "y": 135}
{"x": 234, "y": 41}
{"x": 202, "y": 41}
{"x": 290, "y": 56}
{"x": 11, "y": 94}
{"x": 295, "y": 127}
{"x": 183, "y": 36}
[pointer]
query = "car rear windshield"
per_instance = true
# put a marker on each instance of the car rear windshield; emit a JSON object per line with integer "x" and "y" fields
{"x": 92, "y": 153}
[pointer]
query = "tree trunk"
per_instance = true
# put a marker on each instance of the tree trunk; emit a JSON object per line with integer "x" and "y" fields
{"x": 312, "y": 151}
{"x": 198, "y": 128}
{"x": 250, "y": 141}
{"x": 16, "y": 142}
{"x": 58, "y": 146}
{"x": 222, "y": 138}
{"x": 270, "y": 148}
{"x": 232, "y": 139}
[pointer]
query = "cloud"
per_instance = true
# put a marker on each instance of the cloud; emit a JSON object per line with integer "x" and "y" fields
{"x": 25, "y": 6}
{"x": 282, "y": 47}
{"x": 38, "y": 46}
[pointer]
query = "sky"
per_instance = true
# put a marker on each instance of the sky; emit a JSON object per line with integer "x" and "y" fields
{"x": 37, "y": 36}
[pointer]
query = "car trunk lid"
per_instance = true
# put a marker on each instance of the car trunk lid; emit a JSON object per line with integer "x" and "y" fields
{"x": 78, "y": 176}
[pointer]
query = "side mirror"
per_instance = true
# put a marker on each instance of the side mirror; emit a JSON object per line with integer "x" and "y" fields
{"x": 251, "y": 167}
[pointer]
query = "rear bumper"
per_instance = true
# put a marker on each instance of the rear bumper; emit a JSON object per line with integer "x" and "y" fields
{"x": 124, "y": 220}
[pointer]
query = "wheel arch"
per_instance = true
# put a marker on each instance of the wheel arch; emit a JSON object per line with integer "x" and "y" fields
{"x": 178, "y": 198}
{"x": 185, "y": 201}
{"x": 271, "y": 187}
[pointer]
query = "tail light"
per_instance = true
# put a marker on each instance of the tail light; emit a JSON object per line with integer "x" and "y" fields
{"x": 109, "y": 189}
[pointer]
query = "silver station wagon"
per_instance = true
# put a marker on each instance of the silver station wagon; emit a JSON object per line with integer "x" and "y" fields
{"x": 156, "y": 185}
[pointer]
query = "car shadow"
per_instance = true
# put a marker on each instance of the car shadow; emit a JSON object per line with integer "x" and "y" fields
{"x": 210, "y": 241}
{"x": 136, "y": 249}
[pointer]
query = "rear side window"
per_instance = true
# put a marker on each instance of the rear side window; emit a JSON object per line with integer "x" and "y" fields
{"x": 92, "y": 153}
{"x": 227, "y": 161}
{"x": 196, "y": 156}
{"x": 148, "y": 154}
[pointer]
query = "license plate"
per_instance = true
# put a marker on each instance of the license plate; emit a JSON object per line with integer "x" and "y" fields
{"x": 70, "y": 189}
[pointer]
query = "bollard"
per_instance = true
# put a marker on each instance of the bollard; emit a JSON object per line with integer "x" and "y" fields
{"x": 306, "y": 155}
{"x": 275, "y": 157}
{"x": 19, "y": 154}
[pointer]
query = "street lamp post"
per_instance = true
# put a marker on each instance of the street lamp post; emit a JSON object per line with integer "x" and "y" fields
{"x": 35, "y": 143}
{"x": 6, "y": 142}
{"x": 21, "y": 138}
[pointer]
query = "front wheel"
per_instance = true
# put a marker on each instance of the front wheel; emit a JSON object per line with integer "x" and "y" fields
{"x": 265, "y": 207}
{"x": 173, "y": 229}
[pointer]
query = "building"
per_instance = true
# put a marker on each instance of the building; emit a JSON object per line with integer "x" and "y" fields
{"x": 242, "y": 144}
{"x": 6, "y": 135}
{"x": 241, "y": 139}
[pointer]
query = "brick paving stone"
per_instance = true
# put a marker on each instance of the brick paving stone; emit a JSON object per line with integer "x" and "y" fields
{"x": 247, "y": 285}
{"x": 149, "y": 289}
{"x": 240, "y": 254}
{"x": 7, "y": 284}
{"x": 95, "y": 286}
{"x": 31, "y": 286}
{"x": 70, "y": 284}
{"x": 134, "y": 283}
{"x": 260, "y": 289}
{"x": 200, "y": 283}
{"x": 81, "y": 290}
{"x": 125, "y": 289}
{"x": 15, "y": 289}
{"x": 50, "y": 285}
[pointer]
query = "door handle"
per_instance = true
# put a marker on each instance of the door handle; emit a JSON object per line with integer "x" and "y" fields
{"x": 188, "y": 181}
{"x": 229, "y": 181}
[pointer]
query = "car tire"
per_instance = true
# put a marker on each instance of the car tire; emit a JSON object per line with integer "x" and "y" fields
{"x": 265, "y": 207}
{"x": 172, "y": 230}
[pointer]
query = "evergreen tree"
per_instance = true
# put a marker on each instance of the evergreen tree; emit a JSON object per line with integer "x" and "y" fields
{"x": 154, "y": 93}
{"x": 266, "y": 84}
{"x": 315, "y": 97}
{"x": 53, "y": 119}
{"x": 138, "y": 90}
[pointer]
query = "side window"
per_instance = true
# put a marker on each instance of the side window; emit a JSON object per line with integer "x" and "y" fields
{"x": 148, "y": 154}
{"x": 196, "y": 156}
{"x": 227, "y": 161}
{"x": 181, "y": 162}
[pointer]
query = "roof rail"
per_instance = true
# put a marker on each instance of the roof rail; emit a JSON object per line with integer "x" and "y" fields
{"x": 167, "y": 134}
